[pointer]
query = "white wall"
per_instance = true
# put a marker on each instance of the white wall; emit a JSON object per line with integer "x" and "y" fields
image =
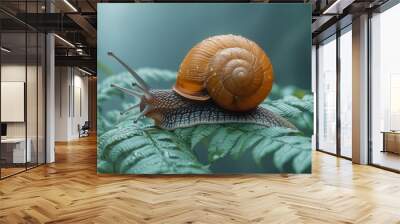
{"x": 17, "y": 73}
{"x": 70, "y": 83}
{"x": 12, "y": 73}
{"x": 33, "y": 126}
{"x": 62, "y": 82}
{"x": 79, "y": 117}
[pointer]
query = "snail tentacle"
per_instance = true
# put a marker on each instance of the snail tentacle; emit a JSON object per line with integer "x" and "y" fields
{"x": 127, "y": 91}
{"x": 134, "y": 84}
{"x": 141, "y": 83}
{"x": 129, "y": 109}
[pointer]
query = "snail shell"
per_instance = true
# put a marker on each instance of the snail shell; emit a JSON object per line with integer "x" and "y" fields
{"x": 231, "y": 70}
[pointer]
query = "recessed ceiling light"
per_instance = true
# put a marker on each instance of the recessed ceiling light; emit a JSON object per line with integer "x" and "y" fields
{"x": 337, "y": 7}
{"x": 65, "y": 41}
{"x": 5, "y": 50}
{"x": 70, "y": 5}
{"x": 84, "y": 71}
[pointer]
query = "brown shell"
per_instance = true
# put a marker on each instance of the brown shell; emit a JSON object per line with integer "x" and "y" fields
{"x": 234, "y": 71}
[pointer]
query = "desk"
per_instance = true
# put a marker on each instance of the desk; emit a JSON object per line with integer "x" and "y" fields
{"x": 13, "y": 150}
{"x": 391, "y": 141}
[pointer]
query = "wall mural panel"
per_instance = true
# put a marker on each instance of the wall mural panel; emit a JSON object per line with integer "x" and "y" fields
{"x": 204, "y": 88}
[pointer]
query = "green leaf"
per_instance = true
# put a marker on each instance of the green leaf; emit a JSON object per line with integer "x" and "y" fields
{"x": 246, "y": 141}
{"x": 200, "y": 132}
{"x": 302, "y": 161}
{"x": 185, "y": 134}
{"x": 104, "y": 167}
{"x": 132, "y": 149}
{"x": 113, "y": 137}
{"x": 221, "y": 142}
{"x": 123, "y": 148}
{"x": 284, "y": 155}
{"x": 266, "y": 147}
{"x": 286, "y": 147}
{"x": 299, "y": 111}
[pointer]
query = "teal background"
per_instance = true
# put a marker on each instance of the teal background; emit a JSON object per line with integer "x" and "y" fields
{"x": 160, "y": 35}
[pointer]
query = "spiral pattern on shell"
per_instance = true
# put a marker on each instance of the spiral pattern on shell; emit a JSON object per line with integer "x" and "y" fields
{"x": 234, "y": 71}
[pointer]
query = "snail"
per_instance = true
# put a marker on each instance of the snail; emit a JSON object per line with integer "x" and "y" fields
{"x": 222, "y": 79}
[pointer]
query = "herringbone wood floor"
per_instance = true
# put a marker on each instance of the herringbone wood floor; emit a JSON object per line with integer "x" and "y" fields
{"x": 70, "y": 191}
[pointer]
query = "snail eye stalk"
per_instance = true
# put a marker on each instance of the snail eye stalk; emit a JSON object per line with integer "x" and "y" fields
{"x": 127, "y": 91}
{"x": 141, "y": 83}
{"x": 129, "y": 109}
{"x": 134, "y": 84}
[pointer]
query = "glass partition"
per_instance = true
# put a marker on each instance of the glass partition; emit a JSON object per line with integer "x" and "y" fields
{"x": 327, "y": 95}
{"x": 13, "y": 94}
{"x": 346, "y": 93}
{"x": 22, "y": 101}
{"x": 334, "y": 100}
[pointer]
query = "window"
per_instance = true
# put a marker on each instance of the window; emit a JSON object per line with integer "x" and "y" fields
{"x": 346, "y": 92}
{"x": 334, "y": 106}
{"x": 385, "y": 89}
{"x": 327, "y": 96}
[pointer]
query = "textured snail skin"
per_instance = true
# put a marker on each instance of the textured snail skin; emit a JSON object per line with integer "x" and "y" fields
{"x": 171, "y": 111}
{"x": 231, "y": 70}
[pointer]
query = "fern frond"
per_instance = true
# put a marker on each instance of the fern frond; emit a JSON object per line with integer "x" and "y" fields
{"x": 298, "y": 111}
{"x": 136, "y": 150}
{"x": 286, "y": 146}
{"x": 104, "y": 166}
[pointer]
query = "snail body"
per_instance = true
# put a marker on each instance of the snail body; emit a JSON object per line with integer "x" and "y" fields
{"x": 223, "y": 79}
{"x": 171, "y": 111}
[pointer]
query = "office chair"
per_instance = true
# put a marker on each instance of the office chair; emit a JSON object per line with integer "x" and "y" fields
{"x": 84, "y": 130}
